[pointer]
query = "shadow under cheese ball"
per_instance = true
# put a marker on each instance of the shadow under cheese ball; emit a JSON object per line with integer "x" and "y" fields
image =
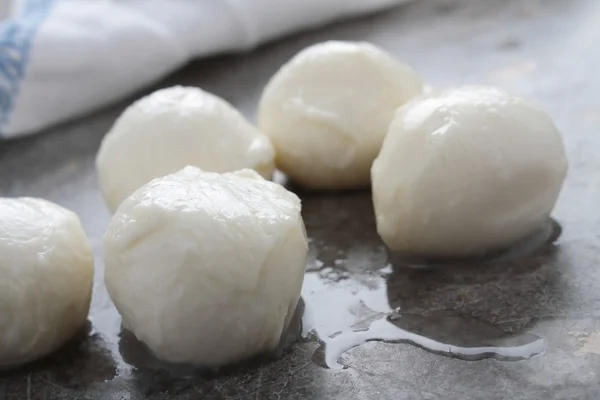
{"x": 466, "y": 172}
{"x": 327, "y": 111}
{"x": 206, "y": 268}
{"x": 46, "y": 274}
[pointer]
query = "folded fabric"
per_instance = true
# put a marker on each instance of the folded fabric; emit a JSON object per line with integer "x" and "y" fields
{"x": 62, "y": 58}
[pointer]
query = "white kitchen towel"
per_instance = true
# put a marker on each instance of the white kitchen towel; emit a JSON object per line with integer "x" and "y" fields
{"x": 62, "y": 58}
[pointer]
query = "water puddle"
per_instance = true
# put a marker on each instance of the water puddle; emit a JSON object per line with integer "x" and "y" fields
{"x": 349, "y": 299}
{"x": 347, "y": 310}
{"x": 499, "y": 346}
{"x": 348, "y": 313}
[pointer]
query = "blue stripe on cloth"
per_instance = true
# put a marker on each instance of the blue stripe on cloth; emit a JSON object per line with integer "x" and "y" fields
{"x": 16, "y": 36}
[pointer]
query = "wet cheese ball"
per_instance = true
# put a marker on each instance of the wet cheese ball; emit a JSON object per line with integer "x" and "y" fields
{"x": 465, "y": 172}
{"x": 46, "y": 274}
{"x": 206, "y": 268}
{"x": 328, "y": 109}
{"x": 171, "y": 128}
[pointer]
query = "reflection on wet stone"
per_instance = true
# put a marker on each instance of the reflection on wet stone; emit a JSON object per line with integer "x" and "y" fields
{"x": 493, "y": 293}
{"x": 487, "y": 341}
{"x": 354, "y": 296}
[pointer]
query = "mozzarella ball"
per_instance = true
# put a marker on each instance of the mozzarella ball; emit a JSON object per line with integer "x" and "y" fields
{"x": 465, "y": 172}
{"x": 170, "y": 129}
{"x": 206, "y": 269}
{"x": 46, "y": 274}
{"x": 328, "y": 109}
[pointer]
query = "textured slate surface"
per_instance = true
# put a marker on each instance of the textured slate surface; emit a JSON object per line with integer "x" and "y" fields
{"x": 546, "y": 50}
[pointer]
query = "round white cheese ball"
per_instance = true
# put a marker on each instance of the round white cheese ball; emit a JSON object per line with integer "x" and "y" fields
{"x": 465, "y": 172}
{"x": 206, "y": 269}
{"x": 328, "y": 109}
{"x": 170, "y": 129}
{"x": 46, "y": 274}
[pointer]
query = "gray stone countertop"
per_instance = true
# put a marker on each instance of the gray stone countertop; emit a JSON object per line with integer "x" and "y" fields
{"x": 544, "y": 50}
